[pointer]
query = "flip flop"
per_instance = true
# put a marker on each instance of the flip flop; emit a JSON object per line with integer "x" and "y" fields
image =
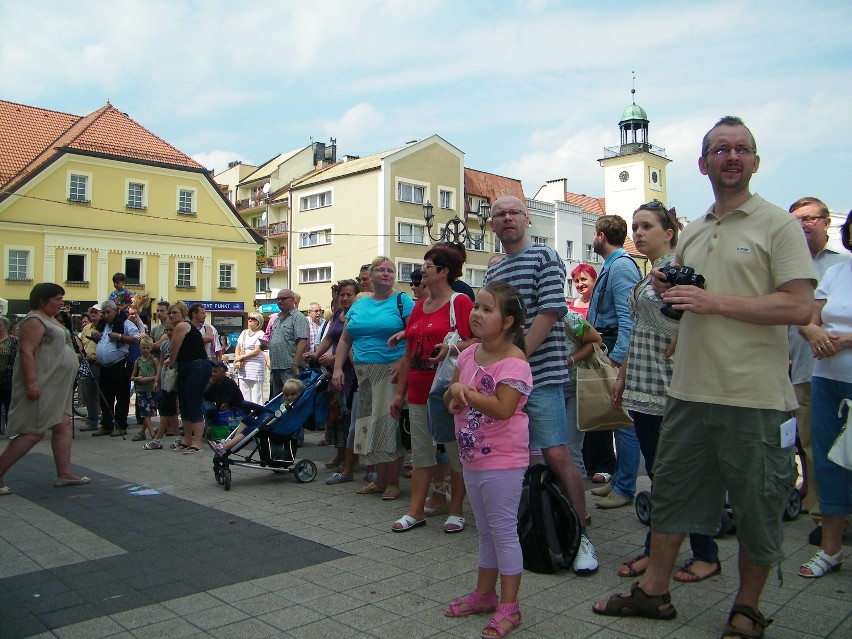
{"x": 694, "y": 577}
{"x": 631, "y": 571}
{"x": 454, "y": 524}
{"x": 406, "y": 523}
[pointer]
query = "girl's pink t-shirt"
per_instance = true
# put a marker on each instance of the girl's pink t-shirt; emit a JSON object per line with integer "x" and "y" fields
{"x": 486, "y": 443}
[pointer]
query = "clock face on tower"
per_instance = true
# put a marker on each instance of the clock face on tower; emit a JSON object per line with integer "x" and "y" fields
{"x": 624, "y": 176}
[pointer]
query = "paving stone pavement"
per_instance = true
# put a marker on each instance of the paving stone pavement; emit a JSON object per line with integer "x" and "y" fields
{"x": 154, "y": 547}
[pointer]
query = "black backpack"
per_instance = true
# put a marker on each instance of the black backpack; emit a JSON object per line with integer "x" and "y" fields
{"x": 548, "y": 527}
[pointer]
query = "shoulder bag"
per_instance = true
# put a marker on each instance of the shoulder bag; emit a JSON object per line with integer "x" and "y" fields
{"x": 594, "y": 390}
{"x": 441, "y": 423}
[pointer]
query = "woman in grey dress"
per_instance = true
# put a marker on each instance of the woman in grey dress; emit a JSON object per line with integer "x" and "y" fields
{"x": 42, "y": 387}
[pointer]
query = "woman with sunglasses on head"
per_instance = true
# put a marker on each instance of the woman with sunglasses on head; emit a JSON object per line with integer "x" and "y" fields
{"x": 643, "y": 380}
{"x": 427, "y": 327}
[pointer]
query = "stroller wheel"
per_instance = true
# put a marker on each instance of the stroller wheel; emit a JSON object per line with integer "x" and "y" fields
{"x": 226, "y": 478}
{"x": 305, "y": 471}
{"x": 643, "y": 507}
{"x": 794, "y": 506}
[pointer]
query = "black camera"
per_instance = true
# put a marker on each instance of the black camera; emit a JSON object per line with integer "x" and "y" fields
{"x": 683, "y": 276}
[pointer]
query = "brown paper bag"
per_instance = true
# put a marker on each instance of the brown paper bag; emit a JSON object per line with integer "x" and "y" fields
{"x": 594, "y": 388}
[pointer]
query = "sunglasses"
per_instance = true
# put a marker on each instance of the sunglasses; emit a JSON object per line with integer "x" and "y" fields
{"x": 284, "y": 299}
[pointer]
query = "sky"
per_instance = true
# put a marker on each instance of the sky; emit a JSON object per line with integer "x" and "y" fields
{"x": 529, "y": 89}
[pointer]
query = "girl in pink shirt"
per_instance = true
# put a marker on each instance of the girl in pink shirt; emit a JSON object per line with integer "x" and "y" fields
{"x": 489, "y": 390}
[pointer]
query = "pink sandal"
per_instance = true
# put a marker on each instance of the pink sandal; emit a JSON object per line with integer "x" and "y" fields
{"x": 472, "y": 604}
{"x": 504, "y": 613}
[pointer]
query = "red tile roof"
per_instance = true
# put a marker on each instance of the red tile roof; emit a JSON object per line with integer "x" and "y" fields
{"x": 491, "y": 186}
{"x": 591, "y": 204}
{"x": 31, "y": 137}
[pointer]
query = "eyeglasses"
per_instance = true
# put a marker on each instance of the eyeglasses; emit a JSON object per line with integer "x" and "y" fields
{"x": 510, "y": 213}
{"x": 426, "y": 267}
{"x": 416, "y": 284}
{"x": 284, "y": 299}
{"x": 652, "y": 205}
{"x": 723, "y": 150}
{"x": 809, "y": 220}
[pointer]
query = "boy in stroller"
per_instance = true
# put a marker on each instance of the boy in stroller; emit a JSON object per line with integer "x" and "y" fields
{"x": 292, "y": 390}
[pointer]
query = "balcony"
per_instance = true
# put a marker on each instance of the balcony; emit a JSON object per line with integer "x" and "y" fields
{"x": 275, "y": 230}
{"x": 250, "y": 203}
{"x": 279, "y": 262}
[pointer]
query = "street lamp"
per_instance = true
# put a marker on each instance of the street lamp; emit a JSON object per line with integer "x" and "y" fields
{"x": 456, "y": 231}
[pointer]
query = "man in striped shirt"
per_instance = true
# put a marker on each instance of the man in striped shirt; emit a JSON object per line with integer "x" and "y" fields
{"x": 539, "y": 274}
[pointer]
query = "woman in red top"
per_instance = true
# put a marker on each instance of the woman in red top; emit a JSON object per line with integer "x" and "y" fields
{"x": 584, "y": 277}
{"x": 427, "y": 326}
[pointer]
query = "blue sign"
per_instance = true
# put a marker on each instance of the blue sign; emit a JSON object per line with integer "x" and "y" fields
{"x": 269, "y": 308}
{"x": 218, "y": 306}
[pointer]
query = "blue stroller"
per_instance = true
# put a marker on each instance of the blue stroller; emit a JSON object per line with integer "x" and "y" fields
{"x": 272, "y": 433}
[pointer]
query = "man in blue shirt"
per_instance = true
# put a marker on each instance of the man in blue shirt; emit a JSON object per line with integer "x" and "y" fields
{"x": 609, "y": 313}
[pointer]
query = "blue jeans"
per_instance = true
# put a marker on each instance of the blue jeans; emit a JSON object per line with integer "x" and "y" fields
{"x": 835, "y": 482}
{"x": 627, "y": 462}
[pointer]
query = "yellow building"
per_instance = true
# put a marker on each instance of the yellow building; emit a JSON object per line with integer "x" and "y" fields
{"x": 344, "y": 215}
{"x": 83, "y": 198}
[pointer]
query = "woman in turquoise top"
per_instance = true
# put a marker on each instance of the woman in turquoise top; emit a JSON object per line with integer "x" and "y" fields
{"x": 370, "y": 323}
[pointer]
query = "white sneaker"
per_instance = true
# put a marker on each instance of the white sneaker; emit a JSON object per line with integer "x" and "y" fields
{"x": 586, "y": 561}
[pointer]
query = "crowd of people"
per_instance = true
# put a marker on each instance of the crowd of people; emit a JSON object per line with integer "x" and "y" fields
{"x": 711, "y": 372}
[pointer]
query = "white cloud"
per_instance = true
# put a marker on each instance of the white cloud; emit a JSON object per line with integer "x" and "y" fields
{"x": 218, "y": 160}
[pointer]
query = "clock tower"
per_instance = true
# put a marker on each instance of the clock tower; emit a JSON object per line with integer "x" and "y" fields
{"x": 635, "y": 171}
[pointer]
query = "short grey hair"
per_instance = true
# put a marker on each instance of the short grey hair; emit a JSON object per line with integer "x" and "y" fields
{"x": 108, "y": 305}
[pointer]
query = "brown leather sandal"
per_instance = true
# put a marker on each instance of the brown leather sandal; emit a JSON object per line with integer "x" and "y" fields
{"x": 759, "y": 623}
{"x": 639, "y": 604}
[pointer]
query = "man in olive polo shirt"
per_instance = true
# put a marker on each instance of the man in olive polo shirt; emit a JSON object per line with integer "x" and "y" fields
{"x": 730, "y": 393}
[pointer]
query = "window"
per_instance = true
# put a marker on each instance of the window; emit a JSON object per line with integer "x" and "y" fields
{"x": 226, "y": 275}
{"x": 538, "y": 239}
{"x": 261, "y": 285}
{"x": 476, "y": 202}
{"x": 475, "y": 242}
{"x": 18, "y": 265}
{"x": 316, "y": 201}
{"x": 498, "y": 247}
{"x": 589, "y": 254}
{"x": 187, "y": 200}
{"x": 133, "y": 270}
{"x": 570, "y": 286}
{"x": 411, "y": 233}
{"x": 403, "y": 270}
{"x": 446, "y": 198}
{"x": 79, "y": 188}
{"x": 136, "y": 195}
{"x": 569, "y": 250}
{"x": 410, "y": 193}
{"x": 315, "y": 274}
{"x": 184, "y": 275}
{"x": 315, "y": 238}
{"x": 75, "y": 267}
{"x": 474, "y": 276}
